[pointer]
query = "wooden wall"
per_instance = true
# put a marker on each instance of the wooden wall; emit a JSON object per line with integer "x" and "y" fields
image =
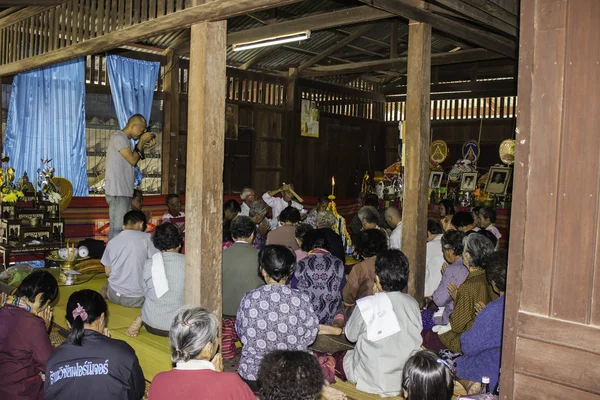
{"x": 346, "y": 148}
{"x": 552, "y": 323}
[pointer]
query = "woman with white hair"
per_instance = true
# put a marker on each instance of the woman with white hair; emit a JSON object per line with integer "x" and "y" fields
{"x": 473, "y": 290}
{"x": 258, "y": 212}
{"x": 326, "y": 221}
{"x": 198, "y": 372}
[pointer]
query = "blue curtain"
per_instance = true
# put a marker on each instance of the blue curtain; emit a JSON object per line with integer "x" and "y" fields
{"x": 132, "y": 84}
{"x": 46, "y": 119}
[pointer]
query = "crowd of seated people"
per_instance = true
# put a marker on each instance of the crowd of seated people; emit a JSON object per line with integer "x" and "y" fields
{"x": 278, "y": 297}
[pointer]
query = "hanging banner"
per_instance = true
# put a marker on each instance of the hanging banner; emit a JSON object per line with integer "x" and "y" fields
{"x": 438, "y": 151}
{"x": 309, "y": 119}
{"x": 470, "y": 151}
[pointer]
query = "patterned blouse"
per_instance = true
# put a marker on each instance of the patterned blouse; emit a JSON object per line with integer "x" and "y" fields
{"x": 321, "y": 276}
{"x": 273, "y": 317}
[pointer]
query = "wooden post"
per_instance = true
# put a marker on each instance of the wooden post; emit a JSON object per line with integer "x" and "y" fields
{"x": 205, "y": 157}
{"x": 171, "y": 131}
{"x": 416, "y": 141}
{"x": 292, "y": 126}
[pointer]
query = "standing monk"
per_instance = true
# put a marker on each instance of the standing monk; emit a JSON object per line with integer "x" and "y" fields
{"x": 120, "y": 161}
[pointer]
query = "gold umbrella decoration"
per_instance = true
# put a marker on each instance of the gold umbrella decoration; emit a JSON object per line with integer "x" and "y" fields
{"x": 507, "y": 151}
{"x": 340, "y": 226}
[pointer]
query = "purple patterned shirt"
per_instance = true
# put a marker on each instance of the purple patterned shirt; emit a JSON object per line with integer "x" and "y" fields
{"x": 273, "y": 317}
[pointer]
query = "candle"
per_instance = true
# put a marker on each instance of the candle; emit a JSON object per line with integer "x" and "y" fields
{"x": 332, "y": 184}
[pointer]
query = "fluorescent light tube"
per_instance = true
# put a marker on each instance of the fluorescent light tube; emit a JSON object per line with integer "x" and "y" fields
{"x": 295, "y": 37}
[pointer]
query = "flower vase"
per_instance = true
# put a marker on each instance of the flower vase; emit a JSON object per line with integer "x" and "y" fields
{"x": 53, "y": 211}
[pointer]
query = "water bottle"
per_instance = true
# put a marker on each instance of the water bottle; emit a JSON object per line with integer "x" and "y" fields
{"x": 485, "y": 384}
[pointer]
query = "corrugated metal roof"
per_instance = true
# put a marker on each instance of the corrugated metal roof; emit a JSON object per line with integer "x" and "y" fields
{"x": 376, "y": 40}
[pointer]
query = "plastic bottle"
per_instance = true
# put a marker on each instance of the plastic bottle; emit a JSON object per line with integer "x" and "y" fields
{"x": 485, "y": 384}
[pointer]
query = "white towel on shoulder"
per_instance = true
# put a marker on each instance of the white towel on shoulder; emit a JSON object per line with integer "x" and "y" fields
{"x": 379, "y": 316}
{"x": 159, "y": 277}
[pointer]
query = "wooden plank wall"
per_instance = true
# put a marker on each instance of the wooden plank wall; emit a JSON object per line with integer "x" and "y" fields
{"x": 74, "y": 21}
{"x": 459, "y": 108}
{"x": 552, "y": 324}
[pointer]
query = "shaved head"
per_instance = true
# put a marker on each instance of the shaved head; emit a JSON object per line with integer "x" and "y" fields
{"x": 136, "y": 119}
{"x": 393, "y": 212}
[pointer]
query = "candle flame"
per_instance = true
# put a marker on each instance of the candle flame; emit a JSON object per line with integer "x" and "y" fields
{"x": 333, "y": 180}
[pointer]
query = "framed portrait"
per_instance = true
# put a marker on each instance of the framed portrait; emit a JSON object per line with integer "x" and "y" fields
{"x": 435, "y": 179}
{"x": 309, "y": 119}
{"x": 498, "y": 180}
{"x": 231, "y": 121}
{"x": 468, "y": 182}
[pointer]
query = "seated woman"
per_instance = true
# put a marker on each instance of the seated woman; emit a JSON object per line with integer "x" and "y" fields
{"x": 446, "y": 208}
{"x": 322, "y": 204}
{"x": 481, "y": 345}
{"x": 89, "y": 364}
{"x": 301, "y": 231}
{"x": 326, "y": 221}
{"x": 386, "y": 328}
{"x": 24, "y": 343}
{"x": 258, "y": 212}
{"x": 472, "y": 291}
{"x": 321, "y": 275}
{"x": 163, "y": 283}
{"x": 463, "y": 221}
{"x": 362, "y": 277}
{"x": 198, "y": 373}
{"x": 294, "y": 375}
{"x": 427, "y": 377}
{"x": 231, "y": 209}
{"x": 274, "y": 316}
{"x": 454, "y": 272}
{"x": 285, "y": 235}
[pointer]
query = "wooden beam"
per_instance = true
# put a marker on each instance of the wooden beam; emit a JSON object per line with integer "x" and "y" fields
{"x": 335, "y": 47}
{"x": 317, "y": 22}
{"x": 22, "y": 3}
{"x": 463, "y": 86}
{"x": 480, "y": 16}
{"x": 416, "y": 143}
{"x": 344, "y": 90}
{"x": 212, "y": 11}
{"x": 401, "y": 62}
{"x": 494, "y": 9}
{"x": 21, "y": 15}
{"x": 261, "y": 55}
{"x": 8, "y": 11}
{"x": 406, "y": 9}
{"x": 475, "y": 94}
{"x": 171, "y": 132}
{"x": 204, "y": 164}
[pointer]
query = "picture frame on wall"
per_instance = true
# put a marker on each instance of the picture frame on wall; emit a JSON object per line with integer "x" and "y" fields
{"x": 498, "y": 180}
{"x": 435, "y": 179}
{"x": 468, "y": 182}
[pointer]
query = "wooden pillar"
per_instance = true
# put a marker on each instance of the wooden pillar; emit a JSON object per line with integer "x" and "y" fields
{"x": 416, "y": 141}
{"x": 205, "y": 156}
{"x": 292, "y": 124}
{"x": 171, "y": 131}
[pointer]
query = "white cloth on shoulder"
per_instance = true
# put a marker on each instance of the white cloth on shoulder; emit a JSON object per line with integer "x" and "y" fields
{"x": 379, "y": 316}
{"x": 159, "y": 277}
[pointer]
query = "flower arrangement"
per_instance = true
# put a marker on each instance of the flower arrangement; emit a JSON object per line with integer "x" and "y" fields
{"x": 10, "y": 193}
{"x": 45, "y": 175}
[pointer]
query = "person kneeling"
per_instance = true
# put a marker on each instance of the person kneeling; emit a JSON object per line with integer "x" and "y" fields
{"x": 124, "y": 260}
{"x": 386, "y": 328}
{"x": 90, "y": 365}
{"x": 198, "y": 373}
{"x": 294, "y": 375}
{"x": 163, "y": 283}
